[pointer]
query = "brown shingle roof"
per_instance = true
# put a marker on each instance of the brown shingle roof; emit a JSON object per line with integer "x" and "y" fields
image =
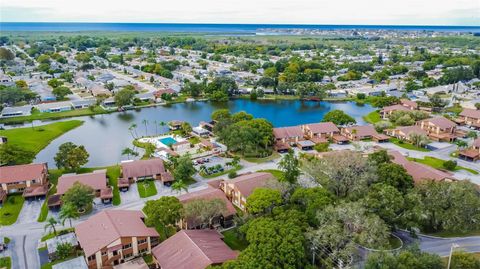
{"x": 209, "y": 193}
{"x": 394, "y": 108}
{"x": 248, "y": 182}
{"x": 287, "y": 132}
{"x": 471, "y": 113}
{"x": 415, "y": 129}
{"x": 476, "y": 143}
{"x": 15, "y": 173}
{"x": 362, "y": 130}
{"x": 142, "y": 168}
{"x": 109, "y": 225}
{"x": 322, "y": 127}
{"x": 193, "y": 249}
{"x": 441, "y": 122}
{"x": 418, "y": 171}
{"x": 97, "y": 180}
{"x": 409, "y": 103}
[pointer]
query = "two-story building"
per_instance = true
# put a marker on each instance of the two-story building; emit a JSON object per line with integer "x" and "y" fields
{"x": 29, "y": 179}
{"x": 405, "y": 132}
{"x": 133, "y": 171}
{"x": 284, "y": 136}
{"x": 112, "y": 237}
{"x": 439, "y": 128}
{"x": 470, "y": 117}
{"x": 323, "y": 132}
{"x": 238, "y": 189}
{"x": 97, "y": 180}
{"x": 224, "y": 220}
{"x": 363, "y": 132}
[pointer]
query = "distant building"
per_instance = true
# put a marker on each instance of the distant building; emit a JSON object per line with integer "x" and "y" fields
{"x": 16, "y": 111}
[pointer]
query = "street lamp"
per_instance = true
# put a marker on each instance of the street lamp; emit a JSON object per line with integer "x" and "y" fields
{"x": 450, "y": 256}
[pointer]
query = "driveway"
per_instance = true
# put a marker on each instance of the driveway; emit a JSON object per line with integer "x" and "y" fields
{"x": 131, "y": 195}
{"x": 30, "y": 211}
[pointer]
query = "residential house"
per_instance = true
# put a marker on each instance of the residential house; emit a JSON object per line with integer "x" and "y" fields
{"x": 472, "y": 153}
{"x": 412, "y": 105}
{"x": 210, "y": 193}
{"x": 181, "y": 146}
{"x": 284, "y": 136}
{"x": 239, "y": 188}
{"x": 145, "y": 169}
{"x": 193, "y": 249}
{"x": 97, "y": 180}
{"x": 419, "y": 171}
{"x": 175, "y": 125}
{"x": 439, "y": 128}
{"x": 470, "y": 117}
{"x": 388, "y": 110}
{"x": 54, "y": 242}
{"x": 54, "y": 107}
{"x": 16, "y": 111}
{"x": 356, "y": 133}
{"x": 112, "y": 237}
{"x": 75, "y": 263}
{"x": 85, "y": 103}
{"x": 322, "y": 132}
{"x": 29, "y": 179}
{"x": 405, "y": 132}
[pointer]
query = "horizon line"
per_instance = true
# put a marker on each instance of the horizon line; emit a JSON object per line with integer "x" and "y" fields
{"x": 218, "y": 23}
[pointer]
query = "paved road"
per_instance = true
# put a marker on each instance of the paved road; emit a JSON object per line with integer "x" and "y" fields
{"x": 441, "y": 246}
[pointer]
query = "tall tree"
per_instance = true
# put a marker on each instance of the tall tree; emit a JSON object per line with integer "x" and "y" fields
{"x": 79, "y": 195}
{"x": 263, "y": 200}
{"x": 163, "y": 213}
{"x": 68, "y": 212}
{"x": 70, "y": 156}
{"x": 290, "y": 165}
{"x": 51, "y": 224}
{"x": 184, "y": 169}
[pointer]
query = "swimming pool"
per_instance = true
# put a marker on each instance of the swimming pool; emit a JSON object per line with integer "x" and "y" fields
{"x": 168, "y": 141}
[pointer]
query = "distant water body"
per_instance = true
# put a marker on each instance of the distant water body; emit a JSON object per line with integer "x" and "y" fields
{"x": 211, "y": 28}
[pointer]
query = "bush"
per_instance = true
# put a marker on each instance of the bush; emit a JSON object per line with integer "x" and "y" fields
{"x": 232, "y": 174}
{"x": 450, "y": 165}
{"x": 321, "y": 147}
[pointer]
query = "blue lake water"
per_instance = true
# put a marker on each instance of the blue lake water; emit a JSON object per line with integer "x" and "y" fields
{"x": 104, "y": 136}
{"x": 209, "y": 28}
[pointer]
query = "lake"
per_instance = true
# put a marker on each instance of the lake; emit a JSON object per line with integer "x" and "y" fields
{"x": 104, "y": 136}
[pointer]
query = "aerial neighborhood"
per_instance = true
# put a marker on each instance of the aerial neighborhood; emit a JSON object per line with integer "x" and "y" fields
{"x": 288, "y": 149}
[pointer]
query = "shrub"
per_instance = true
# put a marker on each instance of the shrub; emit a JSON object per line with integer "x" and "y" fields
{"x": 232, "y": 174}
{"x": 321, "y": 147}
{"x": 450, "y": 165}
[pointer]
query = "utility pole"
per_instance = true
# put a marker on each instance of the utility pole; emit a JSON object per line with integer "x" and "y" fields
{"x": 450, "y": 256}
{"x": 313, "y": 248}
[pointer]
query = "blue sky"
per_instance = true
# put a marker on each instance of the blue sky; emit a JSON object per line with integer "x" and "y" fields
{"x": 405, "y": 12}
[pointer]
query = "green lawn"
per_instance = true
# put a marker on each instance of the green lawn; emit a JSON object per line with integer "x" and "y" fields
{"x": 146, "y": 188}
{"x": 36, "y": 138}
{"x": 233, "y": 241}
{"x": 372, "y": 117}
{"x": 276, "y": 173}
{"x": 59, "y": 232}
{"x": 6, "y": 262}
{"x": 275, "y": 155}
{"x": 438, "y": 164}
{"x": 113, "y": 173}
{"x": 37, "y": 115}
{"x": 43, "y": 212}
{"x": 11, "y": 209}
{"x": 406, "y": 145}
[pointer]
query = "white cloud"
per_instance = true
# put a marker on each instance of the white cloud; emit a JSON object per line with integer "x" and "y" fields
{"x": 431, "y": 12}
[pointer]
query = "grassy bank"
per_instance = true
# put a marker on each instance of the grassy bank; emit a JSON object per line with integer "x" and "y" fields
{"x": 275, "y": 155}
{"x": 37, "y": 138}
{"x": 11, "y": 209}
{"x": 407, "y": 145}
{"x": 37, "y": 115}
{"x": 233, "y": 169}
{"x": 372, "y": 117}
{"x": 438, "y": 164}
{"x": 276, "y": 173}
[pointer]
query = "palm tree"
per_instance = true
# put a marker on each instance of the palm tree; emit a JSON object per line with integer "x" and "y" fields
{"x": 128, "y": 152}
{"x": 179, "y": 185}
{"x": 51, "y": 222}
{"x": 132, "y": 129}
{"x": 69, "y": 211}
{"x": 145, "y": 122}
